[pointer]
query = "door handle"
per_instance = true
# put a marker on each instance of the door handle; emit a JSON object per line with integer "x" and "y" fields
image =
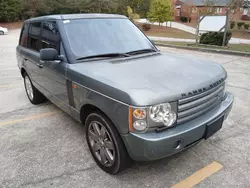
{"x": 39, "y": 65}
{"x": 25, "y": 59}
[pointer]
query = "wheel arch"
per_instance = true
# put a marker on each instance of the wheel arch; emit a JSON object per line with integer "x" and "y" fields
{"x": 87, "y": 109}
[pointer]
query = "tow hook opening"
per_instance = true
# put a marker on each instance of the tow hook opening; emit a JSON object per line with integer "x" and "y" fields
{"x": 178, "y": 145}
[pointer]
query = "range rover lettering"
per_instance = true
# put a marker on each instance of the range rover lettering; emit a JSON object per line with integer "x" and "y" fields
{"x": 137, "y": 104}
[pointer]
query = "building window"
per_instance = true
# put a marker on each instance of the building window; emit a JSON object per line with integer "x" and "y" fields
{"x": 219, "y": 10}
{"x": 178, "y": 12}
{"x": 245, "y": 11}
{"x": 194, "y": 9}
{"x": 209, "y": 9}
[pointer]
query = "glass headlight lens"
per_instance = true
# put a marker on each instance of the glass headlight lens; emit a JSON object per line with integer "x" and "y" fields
{"x": 224, "y": 90}
{"x": 155, "y": 114}
{"x": 162, "y": 113}
{"x": 140, "y": 125}
{"x": 169, "y": 119}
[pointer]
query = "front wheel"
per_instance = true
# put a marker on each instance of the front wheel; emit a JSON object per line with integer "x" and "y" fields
{"x": 105, "y": 144}
{"x": 35, "y": 96}
{"x": 1, "y": 33}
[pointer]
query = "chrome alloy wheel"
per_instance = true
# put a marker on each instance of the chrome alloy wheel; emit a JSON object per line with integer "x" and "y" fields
{"x": 28, "y": 87}
{"x": 101, "y": 143}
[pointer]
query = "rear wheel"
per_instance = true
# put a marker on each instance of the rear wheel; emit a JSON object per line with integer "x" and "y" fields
{"x": 1, "y": 33}
{"x": 105, "y": 144}
{"x": 35, "y": 96}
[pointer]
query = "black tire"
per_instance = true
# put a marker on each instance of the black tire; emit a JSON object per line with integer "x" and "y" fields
{"x": 121, "y": 158}
{"x": 1, "y": 33}
{"x": 38, "y": 97}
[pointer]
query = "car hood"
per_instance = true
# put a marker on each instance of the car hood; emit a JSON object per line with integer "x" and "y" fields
{"x": 147, "y": 80}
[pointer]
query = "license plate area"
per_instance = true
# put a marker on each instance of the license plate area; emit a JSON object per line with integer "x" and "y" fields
{"x": 213, "y": 127}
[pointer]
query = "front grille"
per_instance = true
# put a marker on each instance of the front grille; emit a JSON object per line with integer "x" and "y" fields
{"x": 195, "y": 106}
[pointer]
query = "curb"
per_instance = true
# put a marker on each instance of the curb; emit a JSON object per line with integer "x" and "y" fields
{"x": 218, "y": 51}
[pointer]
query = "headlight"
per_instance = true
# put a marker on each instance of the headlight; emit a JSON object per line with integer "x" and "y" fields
{"x": 162, "y": 113}
{"x": 137, "y": 119}
{"x": 139, "y": 113}
{"x": 224, "y": 91}
{"x": 140, "y": 125}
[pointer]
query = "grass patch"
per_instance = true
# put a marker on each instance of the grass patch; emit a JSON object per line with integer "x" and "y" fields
{"x": 171, "y": 33}
{"x": 163, "y": 31}
{"x": 231, "y": 47}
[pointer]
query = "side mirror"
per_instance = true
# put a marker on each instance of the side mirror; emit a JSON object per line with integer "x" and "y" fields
{"x": 49, "y": 54}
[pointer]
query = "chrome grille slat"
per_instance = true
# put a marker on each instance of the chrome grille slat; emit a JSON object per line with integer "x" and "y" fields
{"x": 200, "y": 100}
{"x": 193, "y": 116}
{"x": 189, "y": 99}
{"x": 197, "y": 108}
{"x": 192, "y": 107}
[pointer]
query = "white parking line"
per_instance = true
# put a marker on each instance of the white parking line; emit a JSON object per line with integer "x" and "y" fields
{"x": 10, "y": 85}
{"x": 6, "y": 69}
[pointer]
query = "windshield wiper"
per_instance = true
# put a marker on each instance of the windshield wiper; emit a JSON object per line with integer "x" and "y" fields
{"x": 105, "y": 55}
{"x": 141, "y": 51}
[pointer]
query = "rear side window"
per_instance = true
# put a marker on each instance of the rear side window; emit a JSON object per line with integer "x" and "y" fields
{"x": 50, "y": 36}
{"x": 34, "y": 36}
{"x": 24, "y": 35}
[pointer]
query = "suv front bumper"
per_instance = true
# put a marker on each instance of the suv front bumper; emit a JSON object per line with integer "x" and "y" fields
{"x": 157, "y": 145}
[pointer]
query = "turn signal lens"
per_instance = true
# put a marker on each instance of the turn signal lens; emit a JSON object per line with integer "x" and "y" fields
{"x": 139, "y": 113}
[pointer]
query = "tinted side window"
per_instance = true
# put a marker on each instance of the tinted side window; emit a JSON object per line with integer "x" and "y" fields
{"x": 24, "y": 35}
{"x": 50, "y": 35}
{"x": 34, "y": 36}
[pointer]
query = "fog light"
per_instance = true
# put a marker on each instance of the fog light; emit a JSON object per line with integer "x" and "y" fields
{"x": 140, "y": 125}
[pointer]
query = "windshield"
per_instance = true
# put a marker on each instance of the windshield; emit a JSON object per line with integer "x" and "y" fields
{"x": 90, "y": 37}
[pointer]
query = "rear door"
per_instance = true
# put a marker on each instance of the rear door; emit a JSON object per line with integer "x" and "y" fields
{"x": 32, "y": 55}
{"x": 21, "y": 49}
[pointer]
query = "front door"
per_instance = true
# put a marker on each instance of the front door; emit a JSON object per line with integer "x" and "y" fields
{"x": 54, "y": 72}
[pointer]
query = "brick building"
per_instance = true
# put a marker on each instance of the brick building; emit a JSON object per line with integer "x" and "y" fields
{"x": 190, "y": 9}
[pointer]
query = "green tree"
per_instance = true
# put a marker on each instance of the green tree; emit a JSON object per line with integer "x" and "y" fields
{"x": 9, "y": 10}
{"x": 131, "y": 15}
{"x": 32, "y": 8}
{"x": 160, "y": 11}
{"x": 100, "y": 6}
{"x": 12, "y": 10}
{"x": 143, "y": 8}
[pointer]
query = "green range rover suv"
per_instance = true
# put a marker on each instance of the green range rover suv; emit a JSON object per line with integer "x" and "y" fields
{"x": 135, "y": 102}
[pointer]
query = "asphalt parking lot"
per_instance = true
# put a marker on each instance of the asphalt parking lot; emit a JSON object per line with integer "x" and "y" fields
{"x": 40, "y": 146}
